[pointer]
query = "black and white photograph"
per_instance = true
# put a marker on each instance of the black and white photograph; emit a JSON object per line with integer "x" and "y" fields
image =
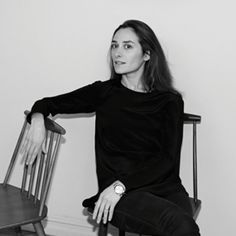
{"x": 117, "y": 117}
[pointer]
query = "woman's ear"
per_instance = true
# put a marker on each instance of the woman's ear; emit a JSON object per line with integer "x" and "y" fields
{"x": 147, "y": 55}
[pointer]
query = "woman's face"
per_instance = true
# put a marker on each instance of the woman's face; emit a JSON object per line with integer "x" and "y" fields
{"x": 126, "y": 53}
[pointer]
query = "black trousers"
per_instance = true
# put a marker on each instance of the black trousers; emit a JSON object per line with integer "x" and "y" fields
{"x": 146, "y": 213}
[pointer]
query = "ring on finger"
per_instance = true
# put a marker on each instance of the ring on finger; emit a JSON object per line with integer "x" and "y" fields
{"x": 107, "y": 208}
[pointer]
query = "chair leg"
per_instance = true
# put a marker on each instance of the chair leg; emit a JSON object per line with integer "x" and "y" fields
{"x": 18, "y": 231}
{"x": 102, "y": 229}
{"x": 121, "y": 232}
{"x": 39, "y": 229}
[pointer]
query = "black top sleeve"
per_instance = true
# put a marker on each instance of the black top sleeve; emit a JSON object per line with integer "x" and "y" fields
{"x": 82, "y": 100}
{"x": 167, "y": 162}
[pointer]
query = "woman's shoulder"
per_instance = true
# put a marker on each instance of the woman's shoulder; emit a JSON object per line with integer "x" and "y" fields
{"x": 105, "y": 83}
{"x": 170, "y": 95}
{"x": 168, "y": 100}
{"x": 104, "y": 88}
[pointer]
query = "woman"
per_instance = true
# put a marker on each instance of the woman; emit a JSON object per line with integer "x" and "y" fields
{"x": 139, "y": 126}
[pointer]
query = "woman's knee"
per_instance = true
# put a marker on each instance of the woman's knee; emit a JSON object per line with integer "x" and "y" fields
{"x": 188, "y": 227}
{"x": 181, "y": 224}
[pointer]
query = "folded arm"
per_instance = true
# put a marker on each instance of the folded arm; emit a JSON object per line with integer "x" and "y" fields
{"x": 83, "y": 100}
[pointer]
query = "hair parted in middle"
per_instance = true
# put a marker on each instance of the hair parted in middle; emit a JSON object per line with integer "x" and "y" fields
{"x": 156, "y": 74}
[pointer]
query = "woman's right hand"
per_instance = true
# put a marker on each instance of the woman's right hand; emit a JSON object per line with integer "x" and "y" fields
{"x": 34, "y": 138}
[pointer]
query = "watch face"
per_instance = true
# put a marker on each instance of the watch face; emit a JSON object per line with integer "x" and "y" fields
{"x": 119, "y": 189}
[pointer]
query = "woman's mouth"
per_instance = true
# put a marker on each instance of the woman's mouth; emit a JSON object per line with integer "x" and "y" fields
{"x": 119, "y": 63}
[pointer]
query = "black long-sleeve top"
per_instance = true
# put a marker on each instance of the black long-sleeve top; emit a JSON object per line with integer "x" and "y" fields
{"x": 138, "y": 135}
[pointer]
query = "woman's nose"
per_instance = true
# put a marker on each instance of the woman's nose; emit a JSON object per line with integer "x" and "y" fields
{"x": 118, "y": 52}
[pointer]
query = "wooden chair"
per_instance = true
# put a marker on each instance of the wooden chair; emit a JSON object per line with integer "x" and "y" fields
{"x": 26, "y": 204}
{"x": 195, "y": 202}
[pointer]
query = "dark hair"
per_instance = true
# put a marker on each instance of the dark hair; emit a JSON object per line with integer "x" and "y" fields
{"x": 156, "y": 75}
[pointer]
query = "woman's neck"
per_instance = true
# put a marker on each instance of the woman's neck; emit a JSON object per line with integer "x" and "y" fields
{"x": 133, "y": 83}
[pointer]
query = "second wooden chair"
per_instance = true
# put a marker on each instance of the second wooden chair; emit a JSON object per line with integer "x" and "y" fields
{"x": 25, "y": 204}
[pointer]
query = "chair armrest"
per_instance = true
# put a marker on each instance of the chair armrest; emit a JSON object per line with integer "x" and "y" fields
{"x": 191, "y": 118}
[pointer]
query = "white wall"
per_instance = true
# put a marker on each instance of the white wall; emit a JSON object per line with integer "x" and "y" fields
{"x": 48, "y": 47}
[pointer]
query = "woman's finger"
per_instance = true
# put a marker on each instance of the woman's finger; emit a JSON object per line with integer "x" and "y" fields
{"x": 34, "y": 155}
{"x": 27, "y": 150}
{"x": 101, "y": 211}
{"x": 111, "y": 212}
{"x": 106, "y": 213}
{"x": 44, "y": 147}
{"x": 24, "y": 147}
{"x": 95, "y": 211}
{"x": 30, "y": 154}
{"x": 24, "y": 142}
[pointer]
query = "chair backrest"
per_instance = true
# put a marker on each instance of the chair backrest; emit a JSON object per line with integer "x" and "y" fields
{"x": 37, "y": 178}
{"x": 194, "y": 120}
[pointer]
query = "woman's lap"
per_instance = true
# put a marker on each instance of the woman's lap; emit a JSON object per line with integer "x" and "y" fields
{"x": 143, "y": 212}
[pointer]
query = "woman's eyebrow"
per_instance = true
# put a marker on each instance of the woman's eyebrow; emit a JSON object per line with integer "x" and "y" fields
{"x": 126, "y": 41}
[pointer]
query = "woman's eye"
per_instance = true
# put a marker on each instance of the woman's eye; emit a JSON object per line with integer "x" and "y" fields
{"x": 113, "y": 46}
{"x": 127, "y": 46}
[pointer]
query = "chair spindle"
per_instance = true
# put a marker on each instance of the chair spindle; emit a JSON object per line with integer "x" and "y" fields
{"x": 47, "y": 164}
{"x": 52, "y": 165}
{"x": 31, "y": 178}
{"x": 39, "y": 177}
{"x": 15, "y": 153}
{"x": 24, "y": 178}
{"x": 195, "y": 190}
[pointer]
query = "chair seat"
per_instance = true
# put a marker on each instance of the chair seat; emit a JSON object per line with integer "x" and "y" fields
{"x": 16, "y": 209}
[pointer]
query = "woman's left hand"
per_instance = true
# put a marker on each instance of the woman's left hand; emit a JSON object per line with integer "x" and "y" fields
{"x": 105, "y": 205}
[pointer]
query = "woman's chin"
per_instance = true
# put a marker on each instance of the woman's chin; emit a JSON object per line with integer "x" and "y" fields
{"x": 119, "y": 72}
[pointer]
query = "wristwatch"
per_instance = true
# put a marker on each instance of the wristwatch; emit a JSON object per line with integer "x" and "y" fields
{"x": 119, "y": 189}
